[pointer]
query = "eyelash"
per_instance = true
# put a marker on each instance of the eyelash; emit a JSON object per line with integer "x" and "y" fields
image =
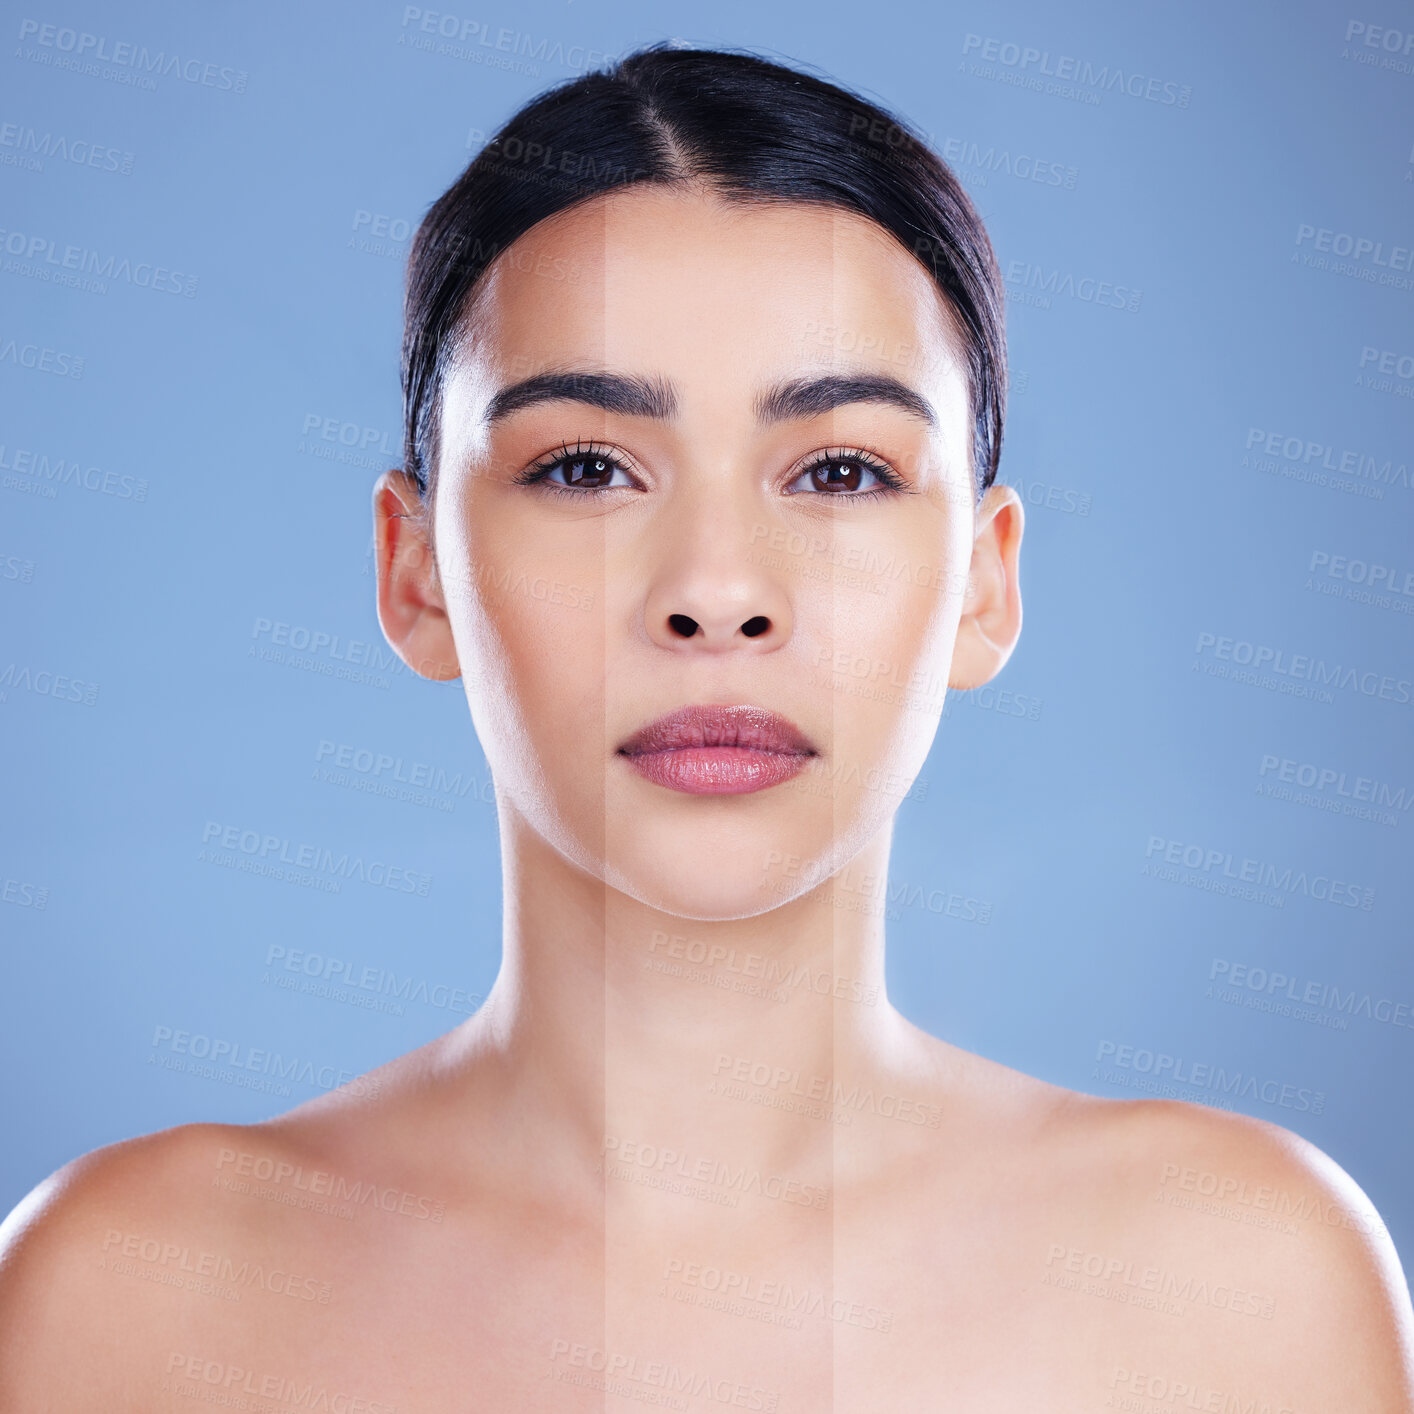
{"x": 537, "y": 474}
{"x": 892, "y": 484}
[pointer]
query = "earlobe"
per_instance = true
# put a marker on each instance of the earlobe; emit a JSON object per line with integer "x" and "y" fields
{"x": 991, "y": 612}
{"x": 411, "y": 608}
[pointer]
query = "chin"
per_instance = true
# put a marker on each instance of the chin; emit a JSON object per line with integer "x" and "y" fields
{"x": 716, "y": 899}
{"x": 729, "y": 868}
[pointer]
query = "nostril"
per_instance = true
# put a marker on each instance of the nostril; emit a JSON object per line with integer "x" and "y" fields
{"x": 754, "y": 628}
{"x": 681, "y": 624}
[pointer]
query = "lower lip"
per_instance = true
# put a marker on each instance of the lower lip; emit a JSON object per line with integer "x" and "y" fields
{"x": 717, "y": 770}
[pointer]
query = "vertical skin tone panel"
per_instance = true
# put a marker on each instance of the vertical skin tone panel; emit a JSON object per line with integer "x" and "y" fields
{"x": 712, "y": 304}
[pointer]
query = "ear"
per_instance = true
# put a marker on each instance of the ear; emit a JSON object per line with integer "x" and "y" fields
{"x": 991, "y": 610}
{"x": 411, "y": 607}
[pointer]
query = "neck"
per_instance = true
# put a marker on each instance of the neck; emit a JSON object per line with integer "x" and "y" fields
{"x": 616, "y": 1024}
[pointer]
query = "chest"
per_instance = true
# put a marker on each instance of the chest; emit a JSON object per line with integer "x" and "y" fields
{"x": 856, "y": 1321}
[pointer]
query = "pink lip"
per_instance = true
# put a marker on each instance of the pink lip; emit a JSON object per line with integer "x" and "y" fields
{"x": 718, "y": 750}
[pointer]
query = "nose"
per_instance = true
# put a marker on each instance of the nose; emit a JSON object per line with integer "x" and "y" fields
{"x": 707, "y": 621}
{"x": 685, "y": 626}
{"x": 715, "y": 595}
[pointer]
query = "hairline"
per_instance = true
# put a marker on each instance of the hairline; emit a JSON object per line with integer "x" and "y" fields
{"x": 464, "y": 333}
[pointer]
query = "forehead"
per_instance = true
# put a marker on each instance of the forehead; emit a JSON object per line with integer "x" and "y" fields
{"x": 686, "y": 281}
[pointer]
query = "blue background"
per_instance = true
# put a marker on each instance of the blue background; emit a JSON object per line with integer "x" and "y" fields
{"x": 190, "y": 484}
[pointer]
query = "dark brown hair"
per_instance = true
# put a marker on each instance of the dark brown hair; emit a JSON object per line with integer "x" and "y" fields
{"x": 753, "y": 131}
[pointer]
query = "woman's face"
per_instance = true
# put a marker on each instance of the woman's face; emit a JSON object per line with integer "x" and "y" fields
{"x": 782, "y": 363}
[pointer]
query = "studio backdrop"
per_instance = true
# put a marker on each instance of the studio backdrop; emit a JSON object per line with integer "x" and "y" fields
{"x": 247, "y": 855}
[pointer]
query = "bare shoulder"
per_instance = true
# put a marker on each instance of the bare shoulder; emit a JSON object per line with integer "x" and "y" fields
{"x": 1253, "y": 1227}
{"x": 1192, "y": 1247}
{"x": 212, "y": 1240}
{"x": 83, "y": 1254}
{"x": 202, "y": 1242}
{"x": 166, "y": 1172}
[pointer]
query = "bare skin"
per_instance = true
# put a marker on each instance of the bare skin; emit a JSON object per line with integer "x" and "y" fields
{"x": 687, "y": 1153}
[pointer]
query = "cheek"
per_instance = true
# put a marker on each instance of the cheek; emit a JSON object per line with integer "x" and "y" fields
{"x": 888, "y": 656}
{"x": 529, "y": 630}
{"x": 549, "y": 657}
{"x": 897, "y": 659}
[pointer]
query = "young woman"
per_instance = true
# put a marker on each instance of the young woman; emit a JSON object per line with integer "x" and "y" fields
{"x": 704, "y": 378}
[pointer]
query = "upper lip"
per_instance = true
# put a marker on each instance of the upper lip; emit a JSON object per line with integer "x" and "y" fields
{"x": 752, "y": 727}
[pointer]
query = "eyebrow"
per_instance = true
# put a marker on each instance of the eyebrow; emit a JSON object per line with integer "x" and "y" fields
{"x": 611, "y": 392}
{"x": 633, "y": 396}
{"x": 809, "y": 397}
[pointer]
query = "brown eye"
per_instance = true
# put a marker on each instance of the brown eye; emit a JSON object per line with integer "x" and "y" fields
{"x": 851, "y": 476}
{"x": 590, "y": 472}
{"x": 841, "y": 475}
{"x": 578, "y": 469}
